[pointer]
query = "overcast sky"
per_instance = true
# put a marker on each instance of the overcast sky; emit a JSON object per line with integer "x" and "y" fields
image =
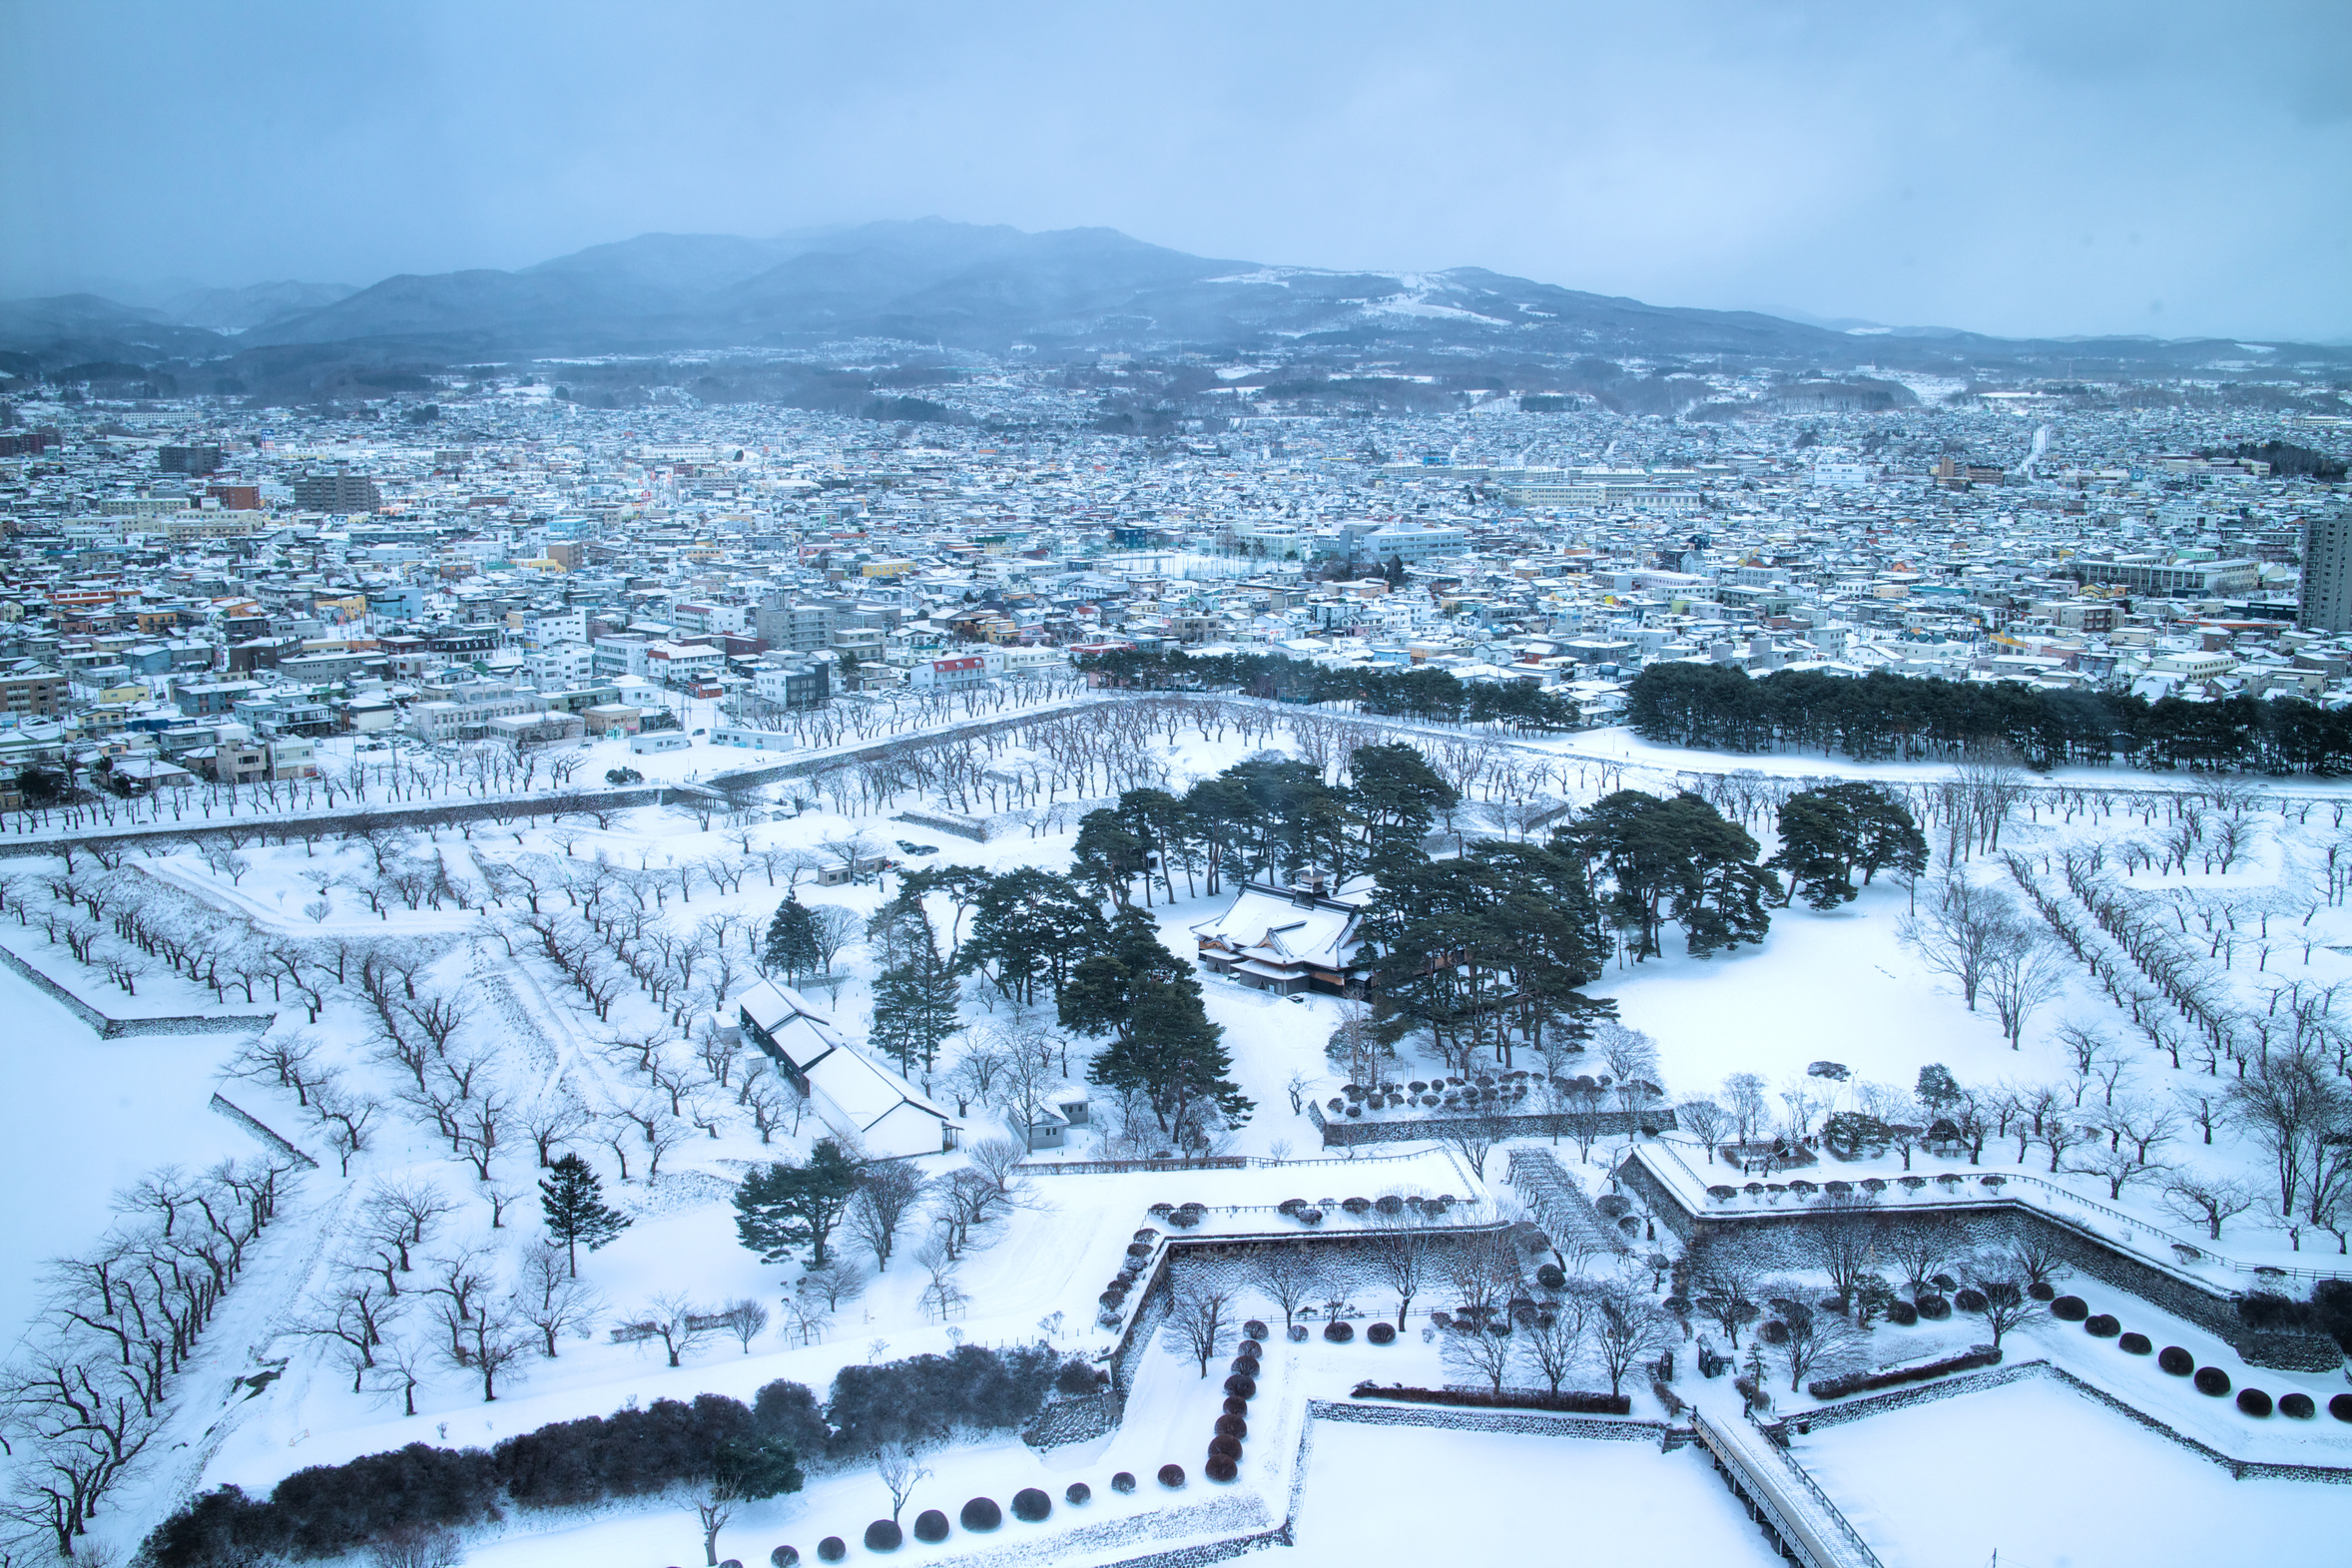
{"x": 2045, "y": 168}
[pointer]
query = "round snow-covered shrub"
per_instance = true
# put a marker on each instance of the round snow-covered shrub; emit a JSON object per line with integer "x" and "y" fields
{"x": 1247, "y": 1366}
{"x": 1390, "y": 1203}
{"x": 1613, "y": 1206}
{"x": 1242, "y": 1388}
{"x": 1078, "y": 1494}
{"x": 785, "y": 1557}
{"x": 1381, "y": 1334}
{"x": 1219, "y": 1469}
{"x": 2298, "y": 1405}
{"x": 1774, "y": 1333}
{"x": 1172, "y": 1476}
{"x": 2043, "y": 1291}
{"x": 1932, "y": 1308}
{"x": 2070, "y": 1309}
{"x": 1233, "y": 1426}
{"x": 981, "y": 1513}
{"x": 1226, "y": 1447}
{"x": 2101, "y": 1326}
{"x": 1902, "y": 1313}
{"x": 1162, "y": 1211}
{"x": 2211, "y": 1382}
{"x": 731, "y": 1562}
{"x": 1250, "y": 1346}
{"x": 930, "y": 1527}
{"x": 1356, "y": 1205}
{"x": 2174, "y": 1359}
{"x": 2253, "y": 1403}
{"x": 832, "y": 1549}
{"x": 1968, "y": 1299}
{"x": 2134, "y": 1343}
{"x": 1311, "y": 1217}
{"x": 1551, "y": 1276}
{"x": 1339, "y": 1331}
{"x": 1290, "y": 1207}
{"x": 1297, "y": 1333}
{"x": 1030, "y": 1504}
{"x": 1234, "y": 1406}
{"x": 1254, "y": 1330}
{"x": 1355, "y": 1109}
{"x": 1122, "y": 1482}
{"x": 2341, "y": 1407}
{"x": 884, "y": 1535}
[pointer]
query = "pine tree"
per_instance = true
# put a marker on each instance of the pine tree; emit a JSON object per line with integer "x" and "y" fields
{"x": 574, "y": 1203}
{"x": 792, "y": 940}
{"x": 914, "y": 1008}
{"x": 1100, "y": 996}
{"x": 1176, "y": 1056}
{"x": 784, "y": 1206}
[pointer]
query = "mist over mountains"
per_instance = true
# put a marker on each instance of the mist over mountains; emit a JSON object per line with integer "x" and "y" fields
{"x": 996, "y": 289}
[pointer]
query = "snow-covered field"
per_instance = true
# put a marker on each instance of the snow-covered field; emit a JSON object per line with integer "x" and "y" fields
{"x": 96, "y": 1115}
{"x": 1401, "y": 1494}
{"x": 2049, "y": 1479}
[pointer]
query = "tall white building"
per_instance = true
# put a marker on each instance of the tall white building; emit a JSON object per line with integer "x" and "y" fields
{"x": 2326, "y": 596}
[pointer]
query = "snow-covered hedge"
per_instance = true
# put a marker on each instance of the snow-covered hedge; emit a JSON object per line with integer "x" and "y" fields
{"x": 1569, "y": 1401}
{"x": 1894, "y": 1376}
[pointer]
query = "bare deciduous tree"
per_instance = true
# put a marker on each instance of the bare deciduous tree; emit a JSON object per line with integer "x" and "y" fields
{"x": 747, "y": 1319}
{"x": 1200, "y": 1323}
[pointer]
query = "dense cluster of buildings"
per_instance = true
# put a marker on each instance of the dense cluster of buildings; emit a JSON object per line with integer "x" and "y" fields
{"x": 195, "y": 589}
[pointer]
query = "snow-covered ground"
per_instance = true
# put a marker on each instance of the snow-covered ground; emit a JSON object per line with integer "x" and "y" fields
{"x": 1839, "y": 986}
{"x": 1401, "y": 1494}
{"x": 2047, "y": 1478}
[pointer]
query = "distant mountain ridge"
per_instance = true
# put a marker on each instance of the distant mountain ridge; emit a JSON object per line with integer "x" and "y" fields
{"x": 984, "y": 289}
{"x": 235, "y": 309}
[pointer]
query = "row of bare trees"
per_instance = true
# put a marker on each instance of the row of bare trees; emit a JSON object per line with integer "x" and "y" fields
{"x": 85, "y": 1391}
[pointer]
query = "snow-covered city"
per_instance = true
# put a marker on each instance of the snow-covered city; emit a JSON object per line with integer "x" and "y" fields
{"x": 1009, "y": 899}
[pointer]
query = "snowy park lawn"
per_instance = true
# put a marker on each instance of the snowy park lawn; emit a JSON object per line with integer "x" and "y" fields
{"x": 1405, "y": 1494}
{"x": 1833, "y": 987}
{"x": 93, "y": 1116}
{"x": 2047, "y": 1478}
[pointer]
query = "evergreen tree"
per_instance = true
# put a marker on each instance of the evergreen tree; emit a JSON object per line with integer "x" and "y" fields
{"x": 784, "y": 1206}
{"x": 1674, "y": 859}
{"x": 574, "y": 1204}
{"x": 1176, "y": 1057}
{"x": 1030, "y": 926}
{"x": 1827, "y": 835}
{"x": 1398, "y": 796}
{"x": 1101, "y": 993}
{"x": 792, "y": 940}
{"x": 1218, "y": 813}
{"x": 914, "y": 1007}
{"x": 962, "y": 886}
{"x": 1108, "y": 856}
{"x": 1937, "y": 1089}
